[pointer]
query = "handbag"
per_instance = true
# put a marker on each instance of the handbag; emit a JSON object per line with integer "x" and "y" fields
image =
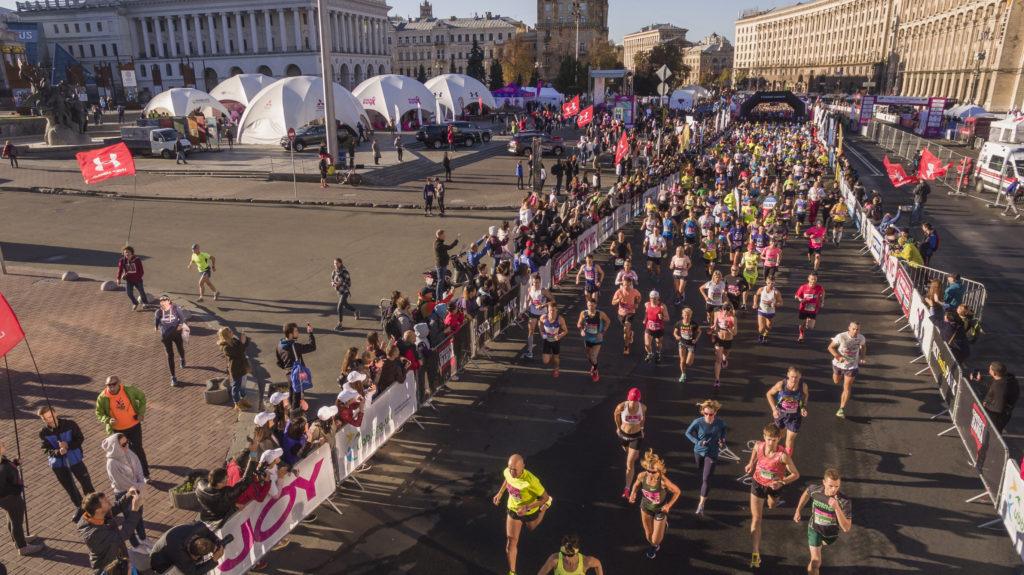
{"x": 330, "y": 169}
{"x": 300, "y": 376}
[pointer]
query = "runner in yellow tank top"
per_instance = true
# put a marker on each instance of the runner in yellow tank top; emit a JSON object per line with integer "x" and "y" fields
{"x": 527, "y": 503}
{"x": 569, "y": 560}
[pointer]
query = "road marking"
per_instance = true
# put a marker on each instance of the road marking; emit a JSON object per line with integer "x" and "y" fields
{"x": 871, "y": 167}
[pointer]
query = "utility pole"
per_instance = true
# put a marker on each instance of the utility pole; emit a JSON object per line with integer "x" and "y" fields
{"x": 978, "y": 57}
{"x": 576, "y": 68}
{"x": 330, "y": 121}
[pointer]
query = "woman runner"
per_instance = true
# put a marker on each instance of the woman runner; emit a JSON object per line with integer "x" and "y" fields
{"x": 772, "y": 258}
{"x": 629, "y": 417}
{"x": 680, "y": 266}
{"x": 569, "y": 560}
{"x": 686, "y": 332}
{"x": 538, "y": 300}
{"x": 725, "y": 331}
{"x": 655, "y": 316}
{"x": 788, "y": 400}
{"x": 713, "y": 292}
{"x": 654, "y": 488}
{"x": 766, "y": 300}
{"x": 708, "y": 435}
{"x": 768, "y": 465}
{"x": 592, "y": 325}
{"x": 750, "y": 262}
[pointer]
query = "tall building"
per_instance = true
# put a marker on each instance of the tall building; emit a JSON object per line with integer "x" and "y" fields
{"x": 557, "y": 32}
{"x": 648, "y": 37}
{"x": 199, "y": 43}
{"x": 440, "y": 45}
{"x": 708, "y": 59}
{"x": 964, "y": 49}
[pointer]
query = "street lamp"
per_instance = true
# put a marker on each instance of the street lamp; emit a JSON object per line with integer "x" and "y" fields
{"x": 978, "y": 57}
{"x": 576, "y": 16}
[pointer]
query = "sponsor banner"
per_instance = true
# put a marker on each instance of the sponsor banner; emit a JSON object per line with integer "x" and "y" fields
{"x": 607, "y": 228}
{"x": 622, "y": 216}
{"x": 381, "y": 419}
{"x": 944, "y": 366}
{"x": 889, "y": 265}
{"x": 586, "y": 243}
{"x": 979, "y": 421}
{"x": 867, "y": 109}
{"x": 1011, "y": 505}
{"x": 563, "y": 263}
{"x": 128, "y": 79}
{"x": 105, "y": 163}
{"x": 933, "y": 123}
{"x": 260, "y": 525}
{"x": 903, "y": 287}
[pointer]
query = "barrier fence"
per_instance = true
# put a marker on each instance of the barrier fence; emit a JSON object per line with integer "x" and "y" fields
{"x": 906, "y": 145}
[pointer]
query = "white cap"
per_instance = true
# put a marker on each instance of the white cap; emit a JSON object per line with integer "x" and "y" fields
{"x": 654, "y": 294}
{"x": 278, "y": 397}
{"x": 347, "y": 395}
{"x": 327, "y": 412}
{"x": 271, "y": 455}
{"x": 262, "y": 418}
{"x": 354, "y": 376}
{"x": 493, "y": 230}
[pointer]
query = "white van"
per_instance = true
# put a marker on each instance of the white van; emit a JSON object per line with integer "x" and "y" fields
{"x": 997, "y": 164}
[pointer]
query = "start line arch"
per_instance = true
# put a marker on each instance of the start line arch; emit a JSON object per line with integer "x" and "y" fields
{"x": 787, "y": 97}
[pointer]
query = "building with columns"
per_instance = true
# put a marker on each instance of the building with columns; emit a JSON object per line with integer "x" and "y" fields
{"x": 648, "y": 37}
{"x": 215, "y": 38}
{"x": 964, "y": 49}
{"x": 708, "y": 59}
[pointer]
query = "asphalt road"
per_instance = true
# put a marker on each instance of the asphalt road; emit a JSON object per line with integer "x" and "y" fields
{"x": 426, "y": 505}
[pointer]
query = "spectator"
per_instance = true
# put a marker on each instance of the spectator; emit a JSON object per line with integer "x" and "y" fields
{"x": 179, "y": 151}
{"x": 216, "y": 499}
{"x": 393, "y": 369}
{"x": 398, "y": 146}
{"x": 908, "y": 252}
{"x": 263, "y": 433}
{"x": 12, "y": 502}
{"x": 129, "y": 269}
{"x": 169, "y": 321}
{"x": 954, "y": 293}
{"x": 519, "y": 175}
{"x": 62, "y": 442}
{"x": 10, "y": 151}
{"x": 436, "y": 325}
{"x": 375, "y": 148}
{"x": 446, "y": 162}
{"x": 441, "y": 259}
{"x": 122, "y": 408}
{"x": 971, "y": 324}
{"x": 125, "y": 472}
{"x": 324, "y": 426}
{"x": 341, "y": 280}
{"x": 233, "y": 349}
{"x": 440, "y": 191}
{"x": 349, "y": 406}
{"x": 296, "y": 442}
{"x": 921, "y": 192}
{"x": 404, "y": 315}
{"x": 182, "y": 550}
{"x": 97, "y": 527}
{"x": 1012, "y": 193}
{"x": 1001, "y": 395}
{"x": 933, "y": 298}
{"x": 288, "y": 351}
{"x": 930, "y": 244}
{"x": 954, "y": 334}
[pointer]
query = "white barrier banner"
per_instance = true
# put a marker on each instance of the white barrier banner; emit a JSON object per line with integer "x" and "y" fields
{"x": 876, "y": 241}
{"x": 545, "y": 275}
{"x": 1011, "y": 505}
{"x": 259, "y": 526}
{"x": 587, "y": 242}
{"x": 381, "y": 419}
{"x": 623, "y": 214}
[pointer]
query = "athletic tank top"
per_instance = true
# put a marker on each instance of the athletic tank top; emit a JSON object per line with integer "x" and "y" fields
{"x": 771, "y": 257}
{"x": 559, "y": 570}
{"x": 767, "y": 303}
{"x": 689, "y": 228}
{"x": 548, "y": 329}
{"x": 651, "y": 225}
{"x": 789, "y": 400}
{"x": 678, "y": 269}
{"x": 653, "y": 317}
{"x": 621, "y": 251}
{"x": 590, "y": 274}
{"x": 537, "y": 299}
{"x": 724, "y": 322}
{"x": 653, "y": 495}
{"x": 592, "y": 326}
{"x": 768, "y": 468}
{"x": 632, "y": 417}
{"x": 666, "y": 227}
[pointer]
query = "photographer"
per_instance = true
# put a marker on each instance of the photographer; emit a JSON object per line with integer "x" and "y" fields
{"x": 101, "y": 533}
{"x": 216, "y": 499}
{"x": 182, "y": 549}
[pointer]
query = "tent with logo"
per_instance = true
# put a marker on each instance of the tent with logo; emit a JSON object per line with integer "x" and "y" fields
{"x": 237, "y": 91}
{"x": 548, "y": 95}
{"x": 183, "y": 102}
{"x": 456, "y": 92}
{"x": 967, "y": 111}
{"x": 294, "y": 102}
{"x": 381, "y": 94}
{"x": 681, "y": 99}
{"x": 510, "y": 94}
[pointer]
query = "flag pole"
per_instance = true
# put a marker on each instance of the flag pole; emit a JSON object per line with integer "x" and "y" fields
{"x": 17, "y": 441}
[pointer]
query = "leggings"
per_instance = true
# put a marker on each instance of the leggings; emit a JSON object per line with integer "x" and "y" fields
{"x": 64, "y": 477}
{"x": 173, "y": 337}
{"x": 15, "y": 508}
{"x": 706, "y": 466}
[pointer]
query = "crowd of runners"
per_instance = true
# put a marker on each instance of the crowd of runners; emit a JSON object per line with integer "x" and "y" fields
{"x": 734, "y": 208}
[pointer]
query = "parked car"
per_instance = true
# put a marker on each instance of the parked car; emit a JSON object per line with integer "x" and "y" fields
{"x": 521, "y": 144}
{"x": 481, "y": 134}
{"x": 436, "y": 136}
{"x": 149, "y": 140}
{"x": 313, "y": 135}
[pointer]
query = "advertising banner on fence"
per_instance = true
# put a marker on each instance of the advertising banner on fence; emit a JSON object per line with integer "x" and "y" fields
{"x": 948, "y": 372}
{"x": 381, "y": 419}
{"x": 586, "y": 243}
{"x": 622, "y": 215}
{"x": 260, "y": 525}
{"x": 1011, "y": 506}
{"x": 607, "y": 228}
{"x": 563, "y": 263}
{"x": 903, "y": 287}
{"x": 875, "y": 242}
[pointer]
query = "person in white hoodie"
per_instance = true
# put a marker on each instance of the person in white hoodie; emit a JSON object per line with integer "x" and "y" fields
{"x": 125, "y": 471}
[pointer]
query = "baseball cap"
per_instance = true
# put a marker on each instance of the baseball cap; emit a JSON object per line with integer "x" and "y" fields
{"x": 271, "y": 455}
{"x": 634, "y": 395}
{"x": 194, "y": 246}
{"x": 654, "y": 294}
{"x": 277, "y": 397}
{"x": 347, "y": 395}
{"x": 355, "y": 376}
{"x": 262, "y": 418}
{"x": 327, "y": 412}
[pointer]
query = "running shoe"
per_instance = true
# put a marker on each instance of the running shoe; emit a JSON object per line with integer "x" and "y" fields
{"x": 591, "y": 370}
{"x": 725, "y": 363}
{"x": 182, "y": 363}
{"x": 755, "y": 560}
{"x": 800, "y": 339}
{"x": 841, "y": 413}
{"x": 528, "y": 355}
{"x": 596, "y": 376}
{"x": 339, "y": 327}
{"x": 700, "y": 510}
{"x": 200, "y": 299}
{"x": 357, "y": 314}
{"x": 625, "y": 350}
{"x": 555, "y": 374}
{"x": 648, "y": 357}
{"x": 657, "y": 357}
{"x": 717, "y": 384}
{"x": 216, "y": 295}
{"x": 625, "y": 492}
{"x": 682, "y": 378}
{"x": 652, "y": 552}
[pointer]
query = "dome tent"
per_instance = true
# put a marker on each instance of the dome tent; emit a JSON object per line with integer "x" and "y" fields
{"x": 382, "y": 93}
{"x": 292, "y": 103}
{"x": 240, "y": 88}
{"x": 457, "y": 91}
{"x": 184, "y": 101}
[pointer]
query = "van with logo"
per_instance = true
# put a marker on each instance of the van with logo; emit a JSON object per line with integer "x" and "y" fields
{"x": 998, "y": 163}
{"x": 149, "y": 140}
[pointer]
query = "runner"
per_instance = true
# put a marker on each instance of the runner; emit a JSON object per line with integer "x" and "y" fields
{"x": 655, "y": 316}
{"x": 766, "y": 300}
{"x": 788, "y": 400}
{"x": 552, "y": 329}
{"x": 629, "y": 417}
{"x": 569, "y": 560}
{"x": 686, "y": 332}
{"x": 714, "y": 293}
{"x": 628, "y": 299}
{"x": 527, "y": 504}
{"x": 800, "y": 209}
{"x": 654, "y": 488}
{"x": 627, "y": 271}
{"x": 849, "y": 350}
{"x": 680, "y": 266}
{"x": 708, "y": 436}
{"x": 538, "y": 300}
{"x": 206, "y": 264}
{"x": 592, "y": 325}
{"x": 772, "y": 258}
{"x": 654, "y": 247}
{"x": 830, "y": 512}
{"x": 726, "y": 327}
{"x": 736, "y": 287}
{"x": 768, "y": 464}
{"x": 811, "y": 297}
{"x": 621, "y": 250}
{"x": 815, "y": 241}
{"x": 709, "y": 247}
{"x": 689, "y": 233}
{"x": 737, "y": 233}
{"x": 593, "y": 275}
{"x": 839, "y": 214}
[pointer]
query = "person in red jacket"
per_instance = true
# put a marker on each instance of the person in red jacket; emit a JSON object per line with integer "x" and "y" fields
{"x": 350, "y": 408}
{"x": 129, "y": 269}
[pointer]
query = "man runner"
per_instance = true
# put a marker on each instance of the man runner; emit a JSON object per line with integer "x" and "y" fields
{"x": 627, "y": 299}
{"x": 811, "y": 297}
{"x": 593, "y": 275}
{"x": 206, "y": 264}
{"x": 686, "y": 332}
{"x": 849, "y": 349}
{"x": 592, "y": 325}
{"x": 766, "y": 300}
{"x": 654, "y": 247}
{"x": 830, "y": 512}
{"x": 621, "y": 250}
{"x": 788, "y": 400}
{"x": 552, "y": 330}
{"x": 569, "y": 560}
{"x": 527, "y": 504}
{"x": 768, "y": 465}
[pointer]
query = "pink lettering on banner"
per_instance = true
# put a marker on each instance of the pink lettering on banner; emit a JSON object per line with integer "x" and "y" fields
{"x": 978, "y": 424}
{"x": 903, "y": 289}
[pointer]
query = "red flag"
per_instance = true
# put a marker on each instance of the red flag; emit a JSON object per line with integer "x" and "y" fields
{"x": 571, "y": 108}
{"x": 621, "y": 149}
{"x": 586, "y": 116}
{"x": 931, "y": 167}
{"x": 897, "y": 175}
{"x": 106, "y": 163}
{"x": 10, "y": 330}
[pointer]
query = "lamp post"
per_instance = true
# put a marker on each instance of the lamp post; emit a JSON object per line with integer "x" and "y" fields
{"x": 978, "y": 57}
{"x": 576, "y": 67}
{"x": 330, "y": 121}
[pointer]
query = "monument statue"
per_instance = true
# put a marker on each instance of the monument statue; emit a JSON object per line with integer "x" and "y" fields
{"x": 65, "y": 116}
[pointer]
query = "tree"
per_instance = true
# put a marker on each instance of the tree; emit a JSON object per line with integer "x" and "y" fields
{"x": 605, "y": 57}
{"x": 475, "y": 63}
{"x": 516, "y": 60}
{"x": 647, "y": 63}
{"x": 451, "y": 66}
{"x": 496, "y": 76}
{"x": 724, "y": 78}
{"x": 534, "y": 77}
{"x": 422, "y": 75}
{"x": 571, "y": 78}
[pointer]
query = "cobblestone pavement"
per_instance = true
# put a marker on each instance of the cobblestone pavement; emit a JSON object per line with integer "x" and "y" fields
{"x": 80, "y": 335}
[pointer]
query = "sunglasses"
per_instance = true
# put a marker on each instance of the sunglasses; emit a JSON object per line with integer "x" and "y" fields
{"x": 114, "y": 384}
{"x": 125, "y": 444}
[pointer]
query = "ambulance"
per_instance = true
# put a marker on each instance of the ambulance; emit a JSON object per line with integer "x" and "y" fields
{"x": 1002, "y": 157}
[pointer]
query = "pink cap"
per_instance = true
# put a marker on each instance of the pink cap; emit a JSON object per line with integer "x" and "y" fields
{"x": 634, "y": 395}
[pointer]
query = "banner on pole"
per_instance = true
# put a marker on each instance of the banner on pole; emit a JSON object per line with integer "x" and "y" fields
{"x": 105, "y": 163}
{"x": 10, "y": 330}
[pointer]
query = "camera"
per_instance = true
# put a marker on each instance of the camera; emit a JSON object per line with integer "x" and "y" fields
{"x": 224, "y": 541}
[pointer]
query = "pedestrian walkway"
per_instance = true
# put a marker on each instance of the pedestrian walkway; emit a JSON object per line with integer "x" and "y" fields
{"x": 79, "y": 336}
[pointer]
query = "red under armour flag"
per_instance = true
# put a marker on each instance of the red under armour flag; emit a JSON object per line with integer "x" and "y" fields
{"x": 106, "y": 163}
{"x": 897, "y": 175}
{"x": 931, "y": 167}
{"x": 10, "y": 329}
{"x": 621, "y": 149}
{"x": 571, "y": 108}
{"x": 586, "y": 116}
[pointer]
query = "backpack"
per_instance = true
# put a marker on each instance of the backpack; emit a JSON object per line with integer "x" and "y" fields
{"x": 300, "y": 376}
{"x": 973, "y": 329}
{"x": 392, "y": 327}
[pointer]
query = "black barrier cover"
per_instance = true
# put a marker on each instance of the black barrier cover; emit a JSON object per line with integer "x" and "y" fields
{"x": 981, "y": 439}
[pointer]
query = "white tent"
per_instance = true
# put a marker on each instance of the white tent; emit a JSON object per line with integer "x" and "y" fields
{"x": 184, "y": 101}
{"x": 548, "y": 95}
{"x": 698, "y": 91}
{"x": 1009, "y": 130}
{"x": 241, "y": 88}
{"x": 292, "y": 103}
{"x": 966, "y": 111}
{"x": 681, "y": 99}
{"x": 457, "y": 91}
{"x": 382, "y": 93}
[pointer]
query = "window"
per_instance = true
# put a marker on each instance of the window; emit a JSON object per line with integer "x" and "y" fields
{"x": 92, "y": 50}
{"x": 490, "y": 36}
{"x": 460, "y": 37}
{"x": 77, "y": 29}
{"x": 169, "y": 72}
{"x": 99, "y": 26}
{"x": 66, "y": 30}
{"x": 88, "y": 27}
{"x": 499, "y": 35}
{"x": 996, "y": 163}
{"x": 142, "y": 71}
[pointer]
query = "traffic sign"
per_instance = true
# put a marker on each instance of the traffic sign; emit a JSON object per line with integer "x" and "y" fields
{"x": 291, "y": 134}
{"x": 663, "y": 73}
{"x": 869, "y": 84}
{"x": 663, "y": 89}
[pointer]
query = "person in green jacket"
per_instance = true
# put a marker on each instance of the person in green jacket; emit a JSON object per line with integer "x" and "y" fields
{"x": 909, "y": 252}
{"x": 121, "y": 408}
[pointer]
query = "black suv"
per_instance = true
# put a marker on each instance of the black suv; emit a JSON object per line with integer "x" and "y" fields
{"x": 481, "y": 134}
{"x": 465, "y": 134}
{"x": 313, "y": 136}
{"x": 521, "y": 144}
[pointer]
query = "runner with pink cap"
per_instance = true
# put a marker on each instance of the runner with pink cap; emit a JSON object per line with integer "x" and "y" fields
{"x": 629, "y": 418}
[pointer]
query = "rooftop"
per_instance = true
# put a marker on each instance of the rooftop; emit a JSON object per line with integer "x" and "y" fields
{"x": 659, "y": 27}
{"x": 486, "y": 21}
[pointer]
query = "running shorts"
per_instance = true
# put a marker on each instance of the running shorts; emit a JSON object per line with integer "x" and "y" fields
{"x": 528, "y": 518}
{"x": 630, "y": 440}
{"x": 808, "y": 315}
{"x": 815, "y": 539}
{"x": 845, "y": 372}
{"x": 627, "y": 319}
{"x": 790, "y": 422}
{"x": 551, "y": 347}
{"x": 763, "y": 491}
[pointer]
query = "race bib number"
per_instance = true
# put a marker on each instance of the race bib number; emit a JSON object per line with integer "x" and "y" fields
{"x": 788, "y": 405}
{"x": 652, "y": 496}
{"x": 810, "y": 307}
{"x": 514, "y": 493}
{"x": 653, "y": 325}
